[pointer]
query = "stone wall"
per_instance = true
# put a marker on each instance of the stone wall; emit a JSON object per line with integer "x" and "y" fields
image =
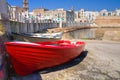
{"x": 93, "y": 33}
{"x": 79, "y": 34}
{"x": 108, "y": 20}
{"x": 112, "y": 35}
{"x": 100, "y": 32}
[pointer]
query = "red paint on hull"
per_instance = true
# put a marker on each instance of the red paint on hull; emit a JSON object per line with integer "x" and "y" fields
{"x": 29, "y": 57}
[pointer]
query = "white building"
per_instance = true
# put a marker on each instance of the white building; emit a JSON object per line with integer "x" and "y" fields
{"x": 105, "y": 12}
{"x": 117, "y": 11}
{"x": 91, "y": 15}
{"x": 80, "y": 16}
{"x": 59, "y": 15}
{"x": 85, "y": 16}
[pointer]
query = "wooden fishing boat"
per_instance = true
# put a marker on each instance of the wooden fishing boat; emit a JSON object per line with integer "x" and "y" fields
{"x": 27, "y": 57}
{"x": 35, "y": 37}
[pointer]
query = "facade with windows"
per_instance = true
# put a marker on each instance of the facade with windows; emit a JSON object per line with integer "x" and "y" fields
{"x": 108, "y": 18}
{"x": 16, "y": 13}
{"x": 59, "y": 15}
{"x": 85, "y": 16}
{"x": 80, "y": 16}
{"x": 117, "y": 11}
{"x": 105, "y": 12}
{"x": 91, "y": 16}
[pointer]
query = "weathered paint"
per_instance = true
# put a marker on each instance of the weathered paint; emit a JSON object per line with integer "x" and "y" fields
{"x": 2, "y": 74}
{"x": 5, "y": 28}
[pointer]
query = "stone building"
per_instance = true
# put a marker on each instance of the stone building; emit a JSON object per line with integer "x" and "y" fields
{"x": 59, "y": 15}
{"x": 16, "y": 13}
{"x": 80, "y": 16}
{"x": 117, "y": 12}
{"x": 85, "y": 16}
{"x": 108, "y": 18}
{"x": 105, "y": 12}
{"x": 91, "y": 16}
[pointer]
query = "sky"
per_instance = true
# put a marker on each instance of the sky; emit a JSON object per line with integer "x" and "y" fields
{"x": 89, "y": 5}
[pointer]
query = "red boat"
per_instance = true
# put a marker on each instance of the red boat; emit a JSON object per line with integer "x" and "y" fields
{"x": 29, "y": 57}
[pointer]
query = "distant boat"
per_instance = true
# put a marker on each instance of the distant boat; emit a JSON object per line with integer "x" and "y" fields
{"x": 27, "y": 57}
{"x": 36, "y": 37}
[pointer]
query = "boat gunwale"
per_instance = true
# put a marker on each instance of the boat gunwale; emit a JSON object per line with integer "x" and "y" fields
{"x": 37, "y": 45}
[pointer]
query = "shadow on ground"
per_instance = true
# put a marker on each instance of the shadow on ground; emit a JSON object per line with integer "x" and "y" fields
{"x": 37, "y": 76}
{"x": 74, "y": 62}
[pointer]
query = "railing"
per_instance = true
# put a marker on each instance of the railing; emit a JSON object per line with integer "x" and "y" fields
{"x": 19, "y": 27}
{"x": 78, "y": 24}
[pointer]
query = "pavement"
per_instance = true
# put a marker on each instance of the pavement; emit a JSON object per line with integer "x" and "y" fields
{"x": 99, "y": 61}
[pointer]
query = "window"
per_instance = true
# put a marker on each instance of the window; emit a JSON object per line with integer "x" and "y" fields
{"x": 103, "y": 14}
{"x": 109, "y": 14}
{"x": 55, "y": 14}
{"x": 63, "y": 19}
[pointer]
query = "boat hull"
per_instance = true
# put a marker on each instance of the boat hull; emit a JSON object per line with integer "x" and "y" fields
{"x": 27, "y": 58}
{"x": 28, "y": 38}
